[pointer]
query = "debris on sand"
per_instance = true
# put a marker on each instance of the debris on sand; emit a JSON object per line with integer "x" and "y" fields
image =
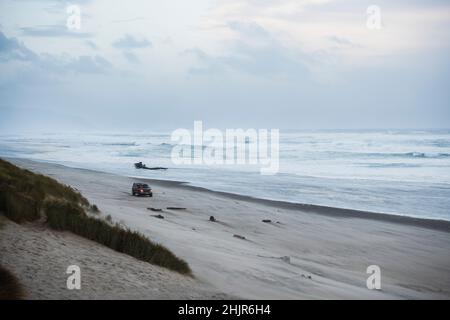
{"x": 158, "y": 216}
{"x": 239, "y": 237}
{"x": 176, "y": 208}
{"x": 267, "y": 221}
{"x": 286, "y": 259}
{"x": 306, "y": 276}
{"x": 212, "y": 219}
{"x": 155, "y": 209}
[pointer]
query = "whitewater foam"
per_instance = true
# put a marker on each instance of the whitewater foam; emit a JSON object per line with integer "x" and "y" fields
{"x": 399, "y": 172}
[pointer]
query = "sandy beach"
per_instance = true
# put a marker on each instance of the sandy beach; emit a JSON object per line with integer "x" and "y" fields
{"x": 39, "y": 257}
{"x": 328, "y": 249}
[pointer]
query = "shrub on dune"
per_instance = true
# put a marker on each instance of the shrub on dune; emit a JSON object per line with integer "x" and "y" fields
{"x": 10, "y": 288}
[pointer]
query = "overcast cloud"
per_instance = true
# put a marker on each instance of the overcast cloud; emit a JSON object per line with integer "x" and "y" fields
{"x": 153, "y": 65}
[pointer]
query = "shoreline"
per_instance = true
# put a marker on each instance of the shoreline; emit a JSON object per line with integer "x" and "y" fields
{"x": 261, "y": 249}
{"x": 434, "y": 224}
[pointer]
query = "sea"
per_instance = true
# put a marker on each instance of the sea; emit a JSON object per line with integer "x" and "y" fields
{"x": 402, "y": 172}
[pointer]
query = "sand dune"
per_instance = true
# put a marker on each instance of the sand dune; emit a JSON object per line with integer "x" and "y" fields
{"x": 328, "y": 249}
{"x": 39, "y": 257}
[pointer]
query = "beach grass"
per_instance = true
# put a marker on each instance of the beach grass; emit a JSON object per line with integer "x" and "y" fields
{"x": 112, "y": 236}
{"x": 23, "y": 192}
{"x": 26, "y": 197}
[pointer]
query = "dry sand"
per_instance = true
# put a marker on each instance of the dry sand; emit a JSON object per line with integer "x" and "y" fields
{"x": 329, "y": 249}
{"x": 39, "y": 257}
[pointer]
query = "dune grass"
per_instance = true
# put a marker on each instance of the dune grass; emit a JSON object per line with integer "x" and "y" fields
{"x": 26, "y": 196}
{"x": 112, "y": 236}
{"x": 10, "y": 288}
{"x": 23, "y": 192}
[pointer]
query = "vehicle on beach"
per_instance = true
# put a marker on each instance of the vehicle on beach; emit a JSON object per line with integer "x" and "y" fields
{"x": 140, "y": 165}
{"x": 141, "y": 189}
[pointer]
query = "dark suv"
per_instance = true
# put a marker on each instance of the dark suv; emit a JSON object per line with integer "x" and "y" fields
{"x": 141, "y": 189}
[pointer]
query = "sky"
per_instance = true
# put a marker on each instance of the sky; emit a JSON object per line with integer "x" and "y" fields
{"x": 286, "y": 64}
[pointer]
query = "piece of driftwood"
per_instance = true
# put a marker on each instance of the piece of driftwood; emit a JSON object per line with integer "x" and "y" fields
{"x": 155, "y": 209}
{"x": 158, "y": 216}
{"x": 176, "y": 208}
{"x": 267, "y": 221}
{"x": 239, "y": 237}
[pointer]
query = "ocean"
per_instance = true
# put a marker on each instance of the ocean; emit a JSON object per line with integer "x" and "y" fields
{"x": 403, "y": 172}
